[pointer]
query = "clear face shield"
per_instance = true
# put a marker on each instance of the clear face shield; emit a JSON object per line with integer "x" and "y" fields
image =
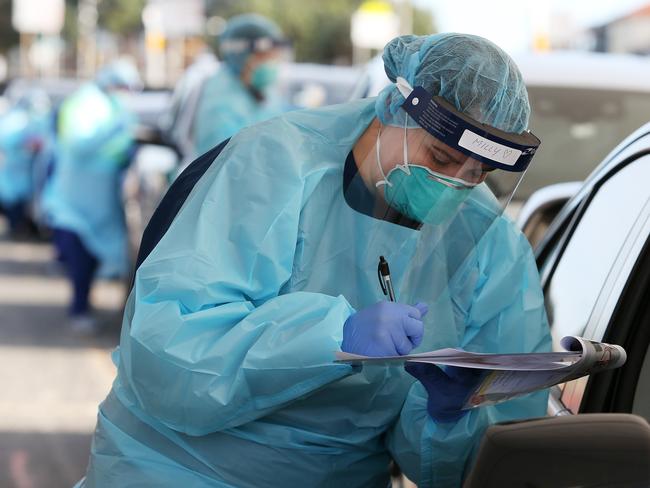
{"x": 432, "y": 210}
{"x": 447, "y": 160}
{"x": 263, "y": 56}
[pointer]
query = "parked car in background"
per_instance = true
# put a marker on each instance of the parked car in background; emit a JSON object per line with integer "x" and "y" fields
{"x": 148, "y": 105}
{"x": 582, "y": 105}
{"x": 308, "y": 85}
{"x": 55, "y": 88}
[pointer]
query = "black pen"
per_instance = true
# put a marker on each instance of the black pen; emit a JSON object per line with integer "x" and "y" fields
{"x": 383, "y": 273}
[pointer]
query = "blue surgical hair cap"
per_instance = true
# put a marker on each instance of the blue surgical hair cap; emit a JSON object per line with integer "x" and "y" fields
{"x": 242, "y": 31}
{"x": 119, "y": 73}
{"x": 472, "y": 73}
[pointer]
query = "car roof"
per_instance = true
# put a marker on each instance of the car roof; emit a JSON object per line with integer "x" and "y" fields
{"x": 319, "y": 72}
{"x": 579, "y": 69}
{"x": 565, "y": 69}
{"x": 56, "y": 88}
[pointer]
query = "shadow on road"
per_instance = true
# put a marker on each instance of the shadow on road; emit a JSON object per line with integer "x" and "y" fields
{"x": 52, "y": 379}
{"x": 34, "y": 459}
{"x": 47, "y": 326}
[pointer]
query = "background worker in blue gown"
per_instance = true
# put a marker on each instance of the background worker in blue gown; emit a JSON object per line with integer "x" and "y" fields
{"x": 23, "y": 130}
{"x": 241, "y": 92}
{"x": 261, "y": 262}
{"x": 83, "y": 199}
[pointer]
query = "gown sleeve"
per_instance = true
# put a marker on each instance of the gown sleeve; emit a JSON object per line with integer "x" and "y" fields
{"x": 211, "y": 342}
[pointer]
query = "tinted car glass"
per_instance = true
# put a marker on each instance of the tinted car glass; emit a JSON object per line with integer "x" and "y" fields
{"x": 641, "y": 405}
{"x": 593, "y": 248}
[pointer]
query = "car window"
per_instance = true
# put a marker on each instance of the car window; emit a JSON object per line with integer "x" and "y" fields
{"x": 589, "y": 258}
{"x": 593, "y": 248}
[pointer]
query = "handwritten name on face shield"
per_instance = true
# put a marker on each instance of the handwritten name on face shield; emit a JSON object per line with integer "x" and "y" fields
{"x": 489, "y": 149}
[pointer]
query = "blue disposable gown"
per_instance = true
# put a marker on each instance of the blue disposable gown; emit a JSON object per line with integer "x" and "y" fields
{"x": 95, "y": 139}
{"x": 17, "y": 126}
{"x": 225, "y": 107}
{"x": 225, "y": 373}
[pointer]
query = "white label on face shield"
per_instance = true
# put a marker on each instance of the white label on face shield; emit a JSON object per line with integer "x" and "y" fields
{"x": 489, "y": 149}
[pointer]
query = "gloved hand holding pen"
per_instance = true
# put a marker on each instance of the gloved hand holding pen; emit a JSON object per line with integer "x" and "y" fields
{"x": 384, "y": 329}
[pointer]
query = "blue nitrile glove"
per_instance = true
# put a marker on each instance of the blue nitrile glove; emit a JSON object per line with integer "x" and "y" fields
{"x": 448, "y": 390}
{"x": 384, "y": 329}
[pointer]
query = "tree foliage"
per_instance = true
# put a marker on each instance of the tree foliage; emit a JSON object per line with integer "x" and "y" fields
{"x": 319, "y": 29}
{"x": 122, "y": 17}
{"x": 8, "y": 36}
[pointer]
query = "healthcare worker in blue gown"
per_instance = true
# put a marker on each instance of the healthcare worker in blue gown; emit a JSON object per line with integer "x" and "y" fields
{"x": 82, "y": 200}
{"x": 23, "y": 135}
{"x": 241, "y": 92}
{"x": 261, "y": 263}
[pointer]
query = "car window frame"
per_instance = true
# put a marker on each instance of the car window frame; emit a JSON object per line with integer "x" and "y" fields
{"x": 597, "y": 393}
{"x": 549, "y": 254}
{"x": 614, "y": 390}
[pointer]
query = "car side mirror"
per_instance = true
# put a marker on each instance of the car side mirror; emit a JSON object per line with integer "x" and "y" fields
{"x": 585, "y": 450}
{"x": 541, "y": 208}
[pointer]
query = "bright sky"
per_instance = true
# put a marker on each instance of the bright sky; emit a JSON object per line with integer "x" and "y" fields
{"x": 510, "y": 23}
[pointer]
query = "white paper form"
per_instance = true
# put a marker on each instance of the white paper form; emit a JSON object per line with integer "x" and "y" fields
{"x": 511, "y": 375}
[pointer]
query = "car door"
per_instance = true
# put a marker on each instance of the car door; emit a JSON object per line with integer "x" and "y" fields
{"x": 594, "y": 274}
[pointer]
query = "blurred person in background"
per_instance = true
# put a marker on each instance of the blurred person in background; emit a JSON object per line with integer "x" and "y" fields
{"x": 83, "y": 203}
{"x": 23, "y": 134}
{"x": 261, "y": 262}
{"x": 241, "y": 92}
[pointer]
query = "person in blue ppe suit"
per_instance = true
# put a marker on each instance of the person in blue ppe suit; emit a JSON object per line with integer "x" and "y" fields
{"x": 22, "y": 138}
{"x": 83, "y": 199}
{"x": 241, "y": 92}
{"x": 261, "y": 262}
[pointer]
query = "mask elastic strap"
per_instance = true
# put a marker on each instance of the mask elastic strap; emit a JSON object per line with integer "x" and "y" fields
{"x": 405, "y": 89}
{"x": 381, "y": 170}
{"x": 406, "y": 145}
{"x": 403, "y": 86}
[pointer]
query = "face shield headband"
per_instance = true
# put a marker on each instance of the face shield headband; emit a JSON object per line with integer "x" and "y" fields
{"x": 258, "y": 45}
{"x": 494, "y": 147}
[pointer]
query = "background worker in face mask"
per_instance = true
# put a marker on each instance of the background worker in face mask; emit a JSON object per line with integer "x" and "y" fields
{"x": 241, "y": 92}
{"x": 83, "y": 203}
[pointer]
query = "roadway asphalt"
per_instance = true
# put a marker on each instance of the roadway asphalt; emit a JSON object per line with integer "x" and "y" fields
{"x": 51, "y": 380}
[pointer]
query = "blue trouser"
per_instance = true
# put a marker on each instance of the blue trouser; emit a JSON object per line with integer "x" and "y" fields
{"x": 15, "y": 214}
{"x": 80, "y": 265}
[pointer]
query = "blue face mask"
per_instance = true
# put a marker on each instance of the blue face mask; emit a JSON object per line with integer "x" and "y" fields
{"x": 422, "y": 194}
{"x": 264, "y": 75}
